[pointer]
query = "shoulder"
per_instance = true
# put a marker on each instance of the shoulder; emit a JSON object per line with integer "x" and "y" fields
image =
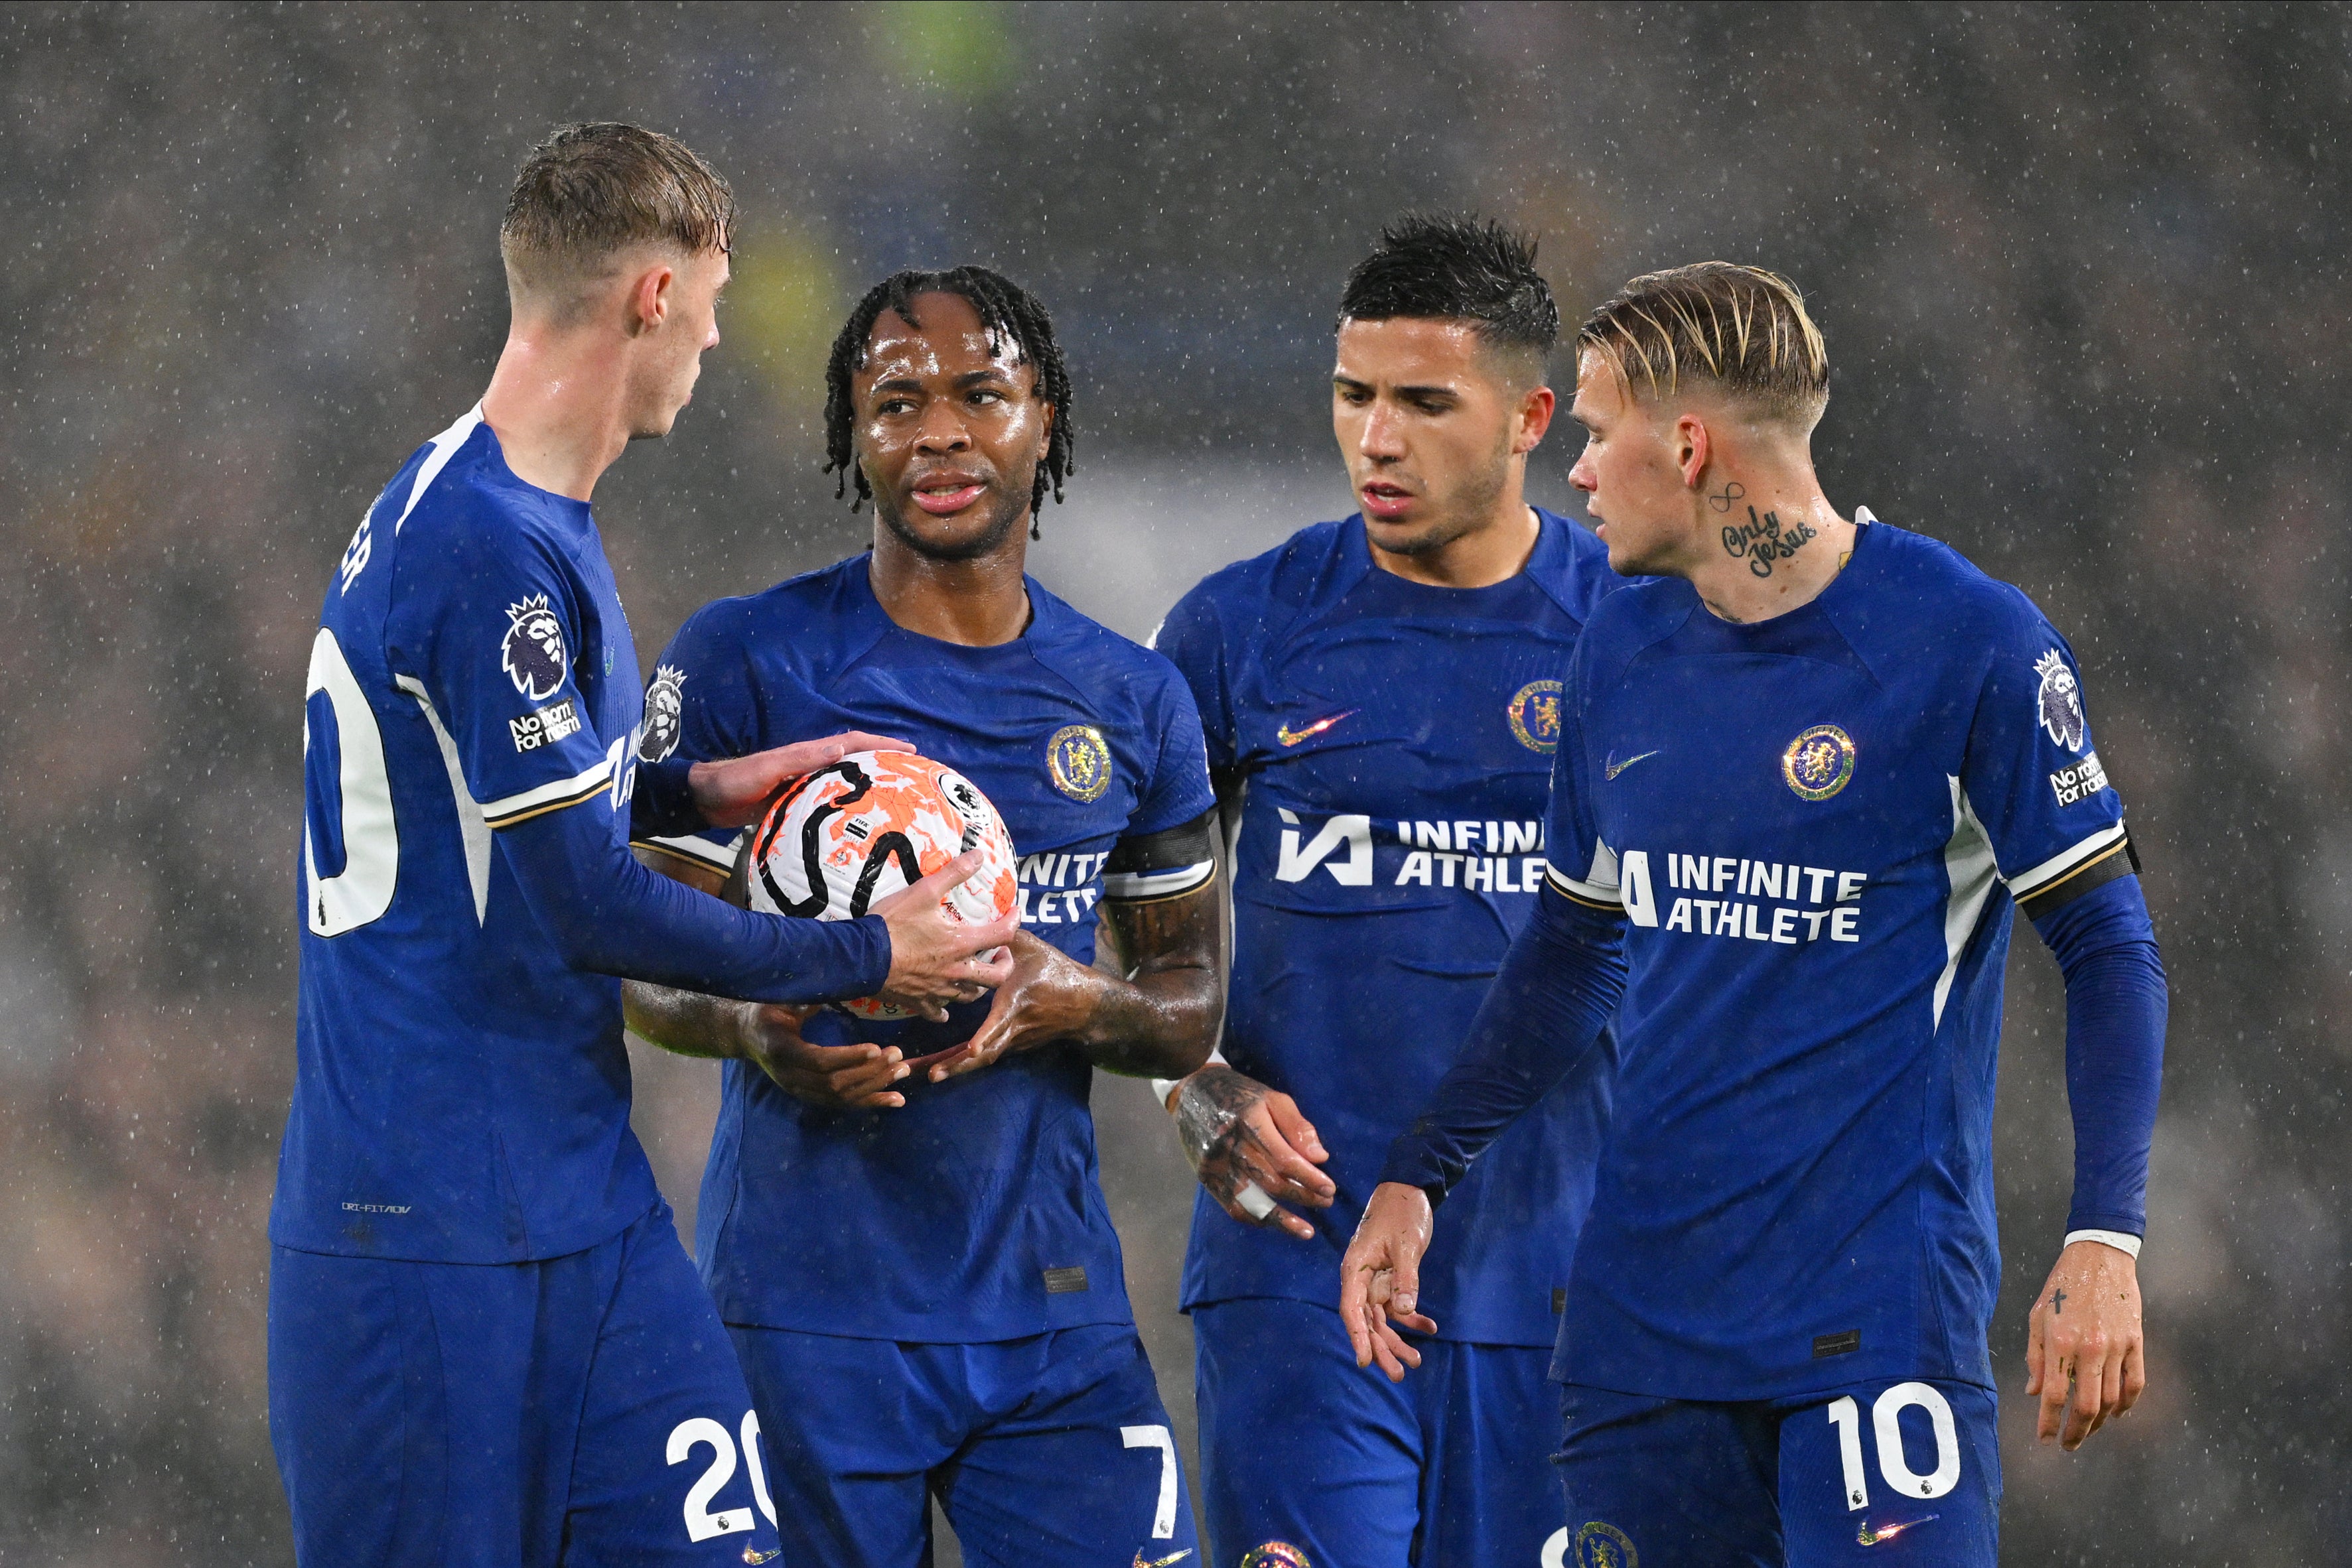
{"x": 1572, "y": 566}
{"x": 1259, "y": 594}
{"x": 1630, "y": 618}
{"x": 1928, "y": 597}
{"x": 1105, "y": 664}
{"x": 795, "y": 620}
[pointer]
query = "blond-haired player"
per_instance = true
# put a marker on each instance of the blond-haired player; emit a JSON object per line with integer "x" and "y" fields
{"x": 1802, "y": 780}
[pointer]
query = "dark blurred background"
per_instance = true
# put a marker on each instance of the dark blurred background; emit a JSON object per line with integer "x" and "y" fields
{"x": 2083, "y": 276}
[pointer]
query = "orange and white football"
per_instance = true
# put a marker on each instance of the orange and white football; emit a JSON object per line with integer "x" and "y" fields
{"x": 837, "y": 840}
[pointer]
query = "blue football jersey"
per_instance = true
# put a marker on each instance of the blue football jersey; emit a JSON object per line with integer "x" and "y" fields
{"x": 1816, "y": 826}
{"x": 461, "y": 1094}
{"x": 975, "y": 1211}
{"x": 1398, "y": 742}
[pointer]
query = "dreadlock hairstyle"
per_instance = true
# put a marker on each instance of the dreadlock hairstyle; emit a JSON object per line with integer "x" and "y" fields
{"x": 1440, "y": 266}
{"x": 1008, "y": 312}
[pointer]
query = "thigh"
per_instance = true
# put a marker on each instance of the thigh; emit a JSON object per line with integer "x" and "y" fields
{"x": 853, "y": 1426}
{"x": 396, "y": 1400}
{"x": 1918, "y": 1460}
{"x": 1490, "y": 1414}
{"x": 1668, "y": 1481}
{"x": 669, "y": 1469}
{"x": 1300, "y": 1448}
{"x": 1076, "y": 1464}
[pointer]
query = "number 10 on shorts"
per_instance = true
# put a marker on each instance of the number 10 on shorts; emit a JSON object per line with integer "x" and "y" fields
{"x": 1885, "y": 1417}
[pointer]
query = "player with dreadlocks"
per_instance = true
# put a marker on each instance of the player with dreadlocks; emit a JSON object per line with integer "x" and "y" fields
{"x": 1007, "y": 312}
{"x": 917, "y": 1266}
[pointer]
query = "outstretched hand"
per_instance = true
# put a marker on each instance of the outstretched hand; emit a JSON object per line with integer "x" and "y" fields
{"x": 730, "y": 794}
{"x": 854, "y": 1077}
{"x": 1379, "y": 1278}
{"x": 2084, "y": 1358}
{"x": 1250, "y": 1146}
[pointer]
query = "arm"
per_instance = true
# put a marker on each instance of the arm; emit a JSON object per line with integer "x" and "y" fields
{"x": 1158, "y": 1016}
{"x": 2084, "y": 1356}
{"x": 679, "y": 796}
{"x": 769, "y": 1036}
{"x": 1247, "y": 1143}
{"x": 1541, "y": 1022}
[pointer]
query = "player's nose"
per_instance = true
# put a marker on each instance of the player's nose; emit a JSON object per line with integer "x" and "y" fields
{"x": 941, "y": 431}
{"x": 1383, "y": 436}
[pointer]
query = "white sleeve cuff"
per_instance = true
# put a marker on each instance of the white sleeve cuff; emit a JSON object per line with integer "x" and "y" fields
{"x": 2122, "y": 1242}
{"x": 1163, "y": 1087}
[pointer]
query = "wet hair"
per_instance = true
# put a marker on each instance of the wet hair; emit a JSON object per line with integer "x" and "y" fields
{"x": 1445, "y": 268}
{"x": 590, "y": 190}
{"x": 1739, "y": 328}
{"x": 1008, "y": 312}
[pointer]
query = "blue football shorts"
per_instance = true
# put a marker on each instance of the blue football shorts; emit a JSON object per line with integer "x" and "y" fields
{"x": 1875, "y": 1473}
{"x": 1307, "y": 1458}
{"x": 584, "y": 1410}
{"x": 1049, "y": 1449}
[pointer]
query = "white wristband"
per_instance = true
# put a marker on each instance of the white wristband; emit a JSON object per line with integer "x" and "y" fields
{"x": 1163, "y": 1087}
{"x": 2122, "y": 1242}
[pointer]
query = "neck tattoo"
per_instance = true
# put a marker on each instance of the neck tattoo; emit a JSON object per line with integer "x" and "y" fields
{"x": 1762, "y": 541}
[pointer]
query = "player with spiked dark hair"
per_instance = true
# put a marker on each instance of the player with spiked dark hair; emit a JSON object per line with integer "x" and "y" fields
{"x": 1803, "y": 779}
{"x": 1380, "y": 696}
{"x": 917, "y": 1266}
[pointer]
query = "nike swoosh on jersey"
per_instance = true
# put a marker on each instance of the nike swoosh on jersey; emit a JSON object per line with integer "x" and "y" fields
{"x": 756, "y": 1558}
{"x": 1289, "y": 736}
{"x": 1870, "y": 1536}
{"x": 1164, "y": 1562}
{"x": 1613, "y": 768}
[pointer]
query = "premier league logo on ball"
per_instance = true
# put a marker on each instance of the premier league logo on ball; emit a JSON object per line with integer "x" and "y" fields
{"x": 2060, "y": 701}
{"x": 533, "y": 655}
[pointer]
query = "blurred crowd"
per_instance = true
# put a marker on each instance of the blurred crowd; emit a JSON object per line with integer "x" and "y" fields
{"x": 2083, "y": 276}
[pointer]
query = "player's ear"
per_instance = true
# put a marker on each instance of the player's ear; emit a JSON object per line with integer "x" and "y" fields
{"x": 1535, "y": 409}
{"x": 650, "y": 298}
{"x": 1693, "y": 446}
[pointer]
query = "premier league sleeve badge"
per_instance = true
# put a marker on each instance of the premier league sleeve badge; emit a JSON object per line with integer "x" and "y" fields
{"x": 2060, "y": 700}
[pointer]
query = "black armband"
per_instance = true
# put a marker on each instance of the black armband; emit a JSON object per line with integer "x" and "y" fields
{"x": 2094, "y": 871}
{"x": 1165, "y": 864}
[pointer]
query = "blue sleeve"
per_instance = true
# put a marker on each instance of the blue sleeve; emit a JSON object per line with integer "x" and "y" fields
{"x": 1543, "y": 1019}
{"x": 1579, "y": 863}
{"x": 2030, "y": 774}
{"x": 2115, "y": 1007}
{"x": 482, "y": 625}
{"x": 609, "y": 915}
{"x": 1178, "y": 790}
{"x": 1193, "y": 639}
{"x": 699, "y": 707}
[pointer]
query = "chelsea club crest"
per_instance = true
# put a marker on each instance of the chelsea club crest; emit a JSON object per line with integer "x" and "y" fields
{"x": 1534, "y": 712}
{"x": 1078, "y": 759}
{"x": 1819, "y": 762}
{"x": 2060, "y": 701}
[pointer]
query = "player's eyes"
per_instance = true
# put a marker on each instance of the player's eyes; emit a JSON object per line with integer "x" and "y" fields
{"x": 984, "y": 397}
{"x": 894, "y": 405}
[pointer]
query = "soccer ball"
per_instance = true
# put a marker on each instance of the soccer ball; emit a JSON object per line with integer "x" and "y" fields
{"x": 856, "y": 830}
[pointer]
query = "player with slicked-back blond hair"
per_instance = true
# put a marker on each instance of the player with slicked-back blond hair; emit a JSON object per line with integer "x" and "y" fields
{"x": 1802, "y": 780}
{"x": 1741, "y": 326}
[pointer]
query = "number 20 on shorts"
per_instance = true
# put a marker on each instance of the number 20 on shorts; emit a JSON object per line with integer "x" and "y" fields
{"x": 1884, "y": 1416}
